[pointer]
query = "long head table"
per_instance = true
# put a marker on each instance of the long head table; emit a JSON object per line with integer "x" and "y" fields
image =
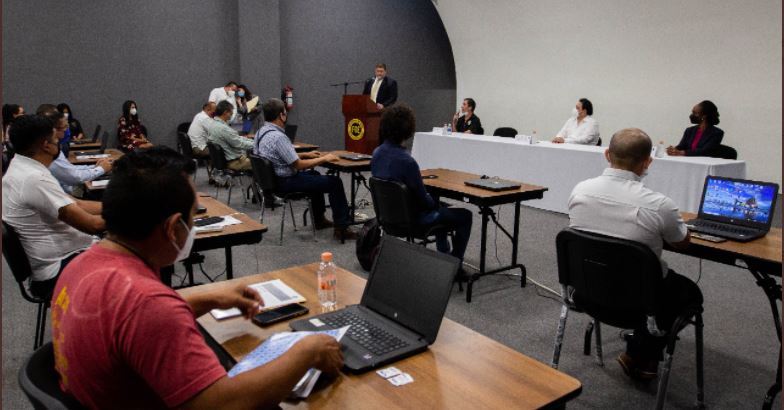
{"x": 561, "y": 166}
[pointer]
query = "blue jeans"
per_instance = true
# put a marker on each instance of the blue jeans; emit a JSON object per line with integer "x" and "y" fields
{"x": 457, "y": 219}
{"x": 317, "y": 185}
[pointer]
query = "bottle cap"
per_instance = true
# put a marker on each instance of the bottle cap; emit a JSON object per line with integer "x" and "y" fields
{"x": 326, "y": 257}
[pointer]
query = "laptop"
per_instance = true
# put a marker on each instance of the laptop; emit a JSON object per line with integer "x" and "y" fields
{"x": 356, "y": 157}
{"x": 736, "y": 209}
{"x": 493, "y": 184}
{"x": 94, "y": 138}
{"x": 291, "y": 132}
{"x": 401, "y": 309}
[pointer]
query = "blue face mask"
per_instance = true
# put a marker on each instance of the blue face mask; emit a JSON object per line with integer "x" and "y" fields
{"x": 240, "y": 93}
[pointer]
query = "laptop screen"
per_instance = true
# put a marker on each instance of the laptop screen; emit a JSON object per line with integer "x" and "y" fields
{"x": 410, "y": 284}
{"x": 738, "y": 201}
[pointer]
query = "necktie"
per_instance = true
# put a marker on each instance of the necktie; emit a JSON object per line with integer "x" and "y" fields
{"x": 374, "y": 90}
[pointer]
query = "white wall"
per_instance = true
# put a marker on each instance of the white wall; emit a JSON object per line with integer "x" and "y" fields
{"x": 641, "y": 63}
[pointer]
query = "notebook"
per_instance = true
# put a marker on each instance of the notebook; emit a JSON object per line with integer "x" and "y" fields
{"x": 493, "y": 184}
{"x": 356, "y": 157}
{"x": 736, "y": 209}
{"x": 401, "y": 309}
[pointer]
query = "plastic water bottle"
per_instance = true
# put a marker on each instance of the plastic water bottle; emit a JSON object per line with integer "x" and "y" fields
{"x": 660, "y": 150}
{"x": 534, "y": 137}
{"x": 443, "y": 130}
{"x": 327, "y": 283}
{"x": 449, "y": 128}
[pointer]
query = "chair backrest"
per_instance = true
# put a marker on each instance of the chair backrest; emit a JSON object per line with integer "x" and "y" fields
{"x": 599, "y": 142}
{"x": 725, "y": 152}
{"x": 507, "y": 132}
{"x": 610, "y": 275}
{"x": 394, "y": 207}
{"x": 40, "y": 382}
{"x": 15, "y": 254}
{"x": 264, "y": 173}
{"x": 217, "y": 156}
{"x": 184, "y": 143}
{"x": 97, "y": 133}
{"x": 183, "y": 127}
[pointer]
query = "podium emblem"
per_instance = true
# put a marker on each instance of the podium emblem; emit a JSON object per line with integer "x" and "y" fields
{"x": 356, "y": 129}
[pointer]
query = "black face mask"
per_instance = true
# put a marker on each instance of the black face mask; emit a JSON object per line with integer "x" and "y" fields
{"x": 694, "y": 119}
{"x": 57, "y": 154}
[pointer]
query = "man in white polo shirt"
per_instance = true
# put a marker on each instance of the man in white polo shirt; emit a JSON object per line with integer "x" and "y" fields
{"x": 226, "y": 93}
{"x": 618, "y": 204}
{"x": 52, "y": 226}
{"x": 198, "y": 132}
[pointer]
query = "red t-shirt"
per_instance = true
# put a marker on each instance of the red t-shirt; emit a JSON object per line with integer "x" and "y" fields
{"x": 123, "y": 339}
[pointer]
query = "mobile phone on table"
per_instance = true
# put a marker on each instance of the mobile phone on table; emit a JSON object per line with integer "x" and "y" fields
{"x": 279, "y": 314}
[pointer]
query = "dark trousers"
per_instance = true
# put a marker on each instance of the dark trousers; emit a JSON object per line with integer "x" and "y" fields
{"x": 317, "y": 185}
{"x": 678, "y": 292}
{"x": 44, "y": 288}
{"x": 459, "y": 220}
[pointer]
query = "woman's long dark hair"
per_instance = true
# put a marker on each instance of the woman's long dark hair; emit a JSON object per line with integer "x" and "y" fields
{"x": 127, "y": 111}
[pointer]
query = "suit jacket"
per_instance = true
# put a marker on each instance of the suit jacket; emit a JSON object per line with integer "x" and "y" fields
{"x": 387, "y": 92}
{"x": 711, "y": 139}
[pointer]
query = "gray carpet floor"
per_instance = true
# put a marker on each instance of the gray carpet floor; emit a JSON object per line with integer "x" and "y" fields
{"x": 740, "y": 340}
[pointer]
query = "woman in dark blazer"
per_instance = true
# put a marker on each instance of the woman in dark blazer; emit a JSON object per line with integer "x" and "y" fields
{"x": 703, "y": 139}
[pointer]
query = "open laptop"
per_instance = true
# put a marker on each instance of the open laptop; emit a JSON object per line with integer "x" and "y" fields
{"x": 291, "y": 132}
{"x": 736, "y": 209}
{"x": 493, "y": 184}
{"x": 93, "y": 139}
{"x": 355, "y": 157}
{"x": 401, "y": 309}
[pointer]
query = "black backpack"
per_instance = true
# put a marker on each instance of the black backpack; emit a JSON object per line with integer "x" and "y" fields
{"x": 368, "y": 242}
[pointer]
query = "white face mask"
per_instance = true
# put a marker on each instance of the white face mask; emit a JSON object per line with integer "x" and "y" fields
{"x": 66, "y": 115}
{"x": 185, "y": 251}
{"x": 133, "y": 111}
{"x": 574, "y": 112}
{"x": 231, "y": 93}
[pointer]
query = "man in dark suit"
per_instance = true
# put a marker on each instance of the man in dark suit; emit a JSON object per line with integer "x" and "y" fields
{"x": 381, "y": 89}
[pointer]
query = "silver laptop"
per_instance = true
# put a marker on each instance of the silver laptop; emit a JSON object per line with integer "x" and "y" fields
{"x": 356, "y": 157}
{"x": 493, "y": 184}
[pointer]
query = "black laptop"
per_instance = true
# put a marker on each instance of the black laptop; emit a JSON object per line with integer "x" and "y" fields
{"x": 401, "y": 309}
{"x": 493, "y": 184}
{"x": 291, "y": 132}
{"x": 93, "y": 139}
{"x": 736, "y": 209}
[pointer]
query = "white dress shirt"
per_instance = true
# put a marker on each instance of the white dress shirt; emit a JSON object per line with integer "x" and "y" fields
{"x": 618, "y": 204}
{"x": 32, "y": 199}
{"x": 70, "y": 175}
{"x": 219, "y": 94}
{"x": 197, "y": 132}
{"x": 586, "y": 132}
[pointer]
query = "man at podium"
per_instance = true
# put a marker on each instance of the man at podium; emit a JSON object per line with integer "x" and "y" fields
{"x": 381, "y": 89}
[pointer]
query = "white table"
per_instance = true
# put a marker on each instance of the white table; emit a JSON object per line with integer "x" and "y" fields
{"x": 560, "y": 167}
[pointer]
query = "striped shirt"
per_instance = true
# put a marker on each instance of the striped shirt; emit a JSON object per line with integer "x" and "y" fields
{"x": 272, "y": 143}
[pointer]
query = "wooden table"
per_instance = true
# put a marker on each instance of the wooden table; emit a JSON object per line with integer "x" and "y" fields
{"x": 87, "y": 146}
{"x": 451, "y": 184}
{"x": 247, "y": 233}
{"x": 355, "y": 168}
{"x": 114, "y": 154}
{"x": 761, "y": 257}
{"x": 462, "y": 369}
{"x": 305, "y": 147}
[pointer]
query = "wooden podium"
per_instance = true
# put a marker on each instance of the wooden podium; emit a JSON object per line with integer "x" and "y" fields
{"x": 360, "y": 126}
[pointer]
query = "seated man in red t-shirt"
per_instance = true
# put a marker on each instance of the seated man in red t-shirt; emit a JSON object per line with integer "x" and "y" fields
{"x": 123, "y": 339}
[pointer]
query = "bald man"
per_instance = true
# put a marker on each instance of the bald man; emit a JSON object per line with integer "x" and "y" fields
{"x": 618, "y": 204}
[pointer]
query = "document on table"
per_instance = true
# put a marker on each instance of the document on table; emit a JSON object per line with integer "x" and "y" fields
{"x": 227, "y": 221}
{"x": 101, "y": 183}
{"x": 275, "y": 294}
{"x": 92, "y": 156}
{"x": 275, "y": 346}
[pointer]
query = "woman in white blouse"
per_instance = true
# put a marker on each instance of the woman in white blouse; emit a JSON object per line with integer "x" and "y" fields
{"x": 580, "y": 128}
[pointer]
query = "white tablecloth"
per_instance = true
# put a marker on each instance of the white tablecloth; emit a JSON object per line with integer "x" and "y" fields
{"x": 560, "y": 167}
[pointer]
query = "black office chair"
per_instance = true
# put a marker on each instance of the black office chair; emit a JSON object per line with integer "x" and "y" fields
{"x": 220, "y": 164}
{"x": 599, "y": 142}
{"x": 507, "y": 132}
{"x": 725, "y": 152}
{"x": 20, "y": 266}
{"x": 186, "y": 149}
{"x": 183, "y": 127}
{"x": 40, "y": 382}
{"x": 615, "y": 281}
{"x": 266, "y": 181}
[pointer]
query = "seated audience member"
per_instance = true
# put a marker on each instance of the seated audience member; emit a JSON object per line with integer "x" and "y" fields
{"x": 198, "y": 133}
{"x": 141, "y": 347}
{"x": 72, "y": 176}
{"x": 704, "y": 137}
{"x": 226, "y": 93}
{"x": 52, "y": 226}
{"x": 295, "y": 173}
{"x": 234, "y": 146}
{"x": 392, "y": 162}
{"x": 468, "y": 122}
{"x": 619, "y": 205}
{"x": 581, "y": 128}
{"x": 10, "y": 112}
{"x": 74, "y": 126}
{"x": 130, "y": 130}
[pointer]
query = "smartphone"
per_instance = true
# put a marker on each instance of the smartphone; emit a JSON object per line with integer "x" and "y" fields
{"x": 278, "y": 314}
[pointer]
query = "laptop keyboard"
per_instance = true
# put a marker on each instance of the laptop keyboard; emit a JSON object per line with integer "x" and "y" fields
{"x": 367, "y": 335}
{"x": 716, "y": 227}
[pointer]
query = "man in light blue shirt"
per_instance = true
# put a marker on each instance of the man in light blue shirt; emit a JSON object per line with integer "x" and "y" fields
{"x": 295, "y": 173}
{"x": 71, "y": 176}
{"x": 234, "y": 146}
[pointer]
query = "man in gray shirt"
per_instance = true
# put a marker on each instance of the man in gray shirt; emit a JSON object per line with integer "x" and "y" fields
{"x": 234, "y": 146}
{"x": 295, "y": 173}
